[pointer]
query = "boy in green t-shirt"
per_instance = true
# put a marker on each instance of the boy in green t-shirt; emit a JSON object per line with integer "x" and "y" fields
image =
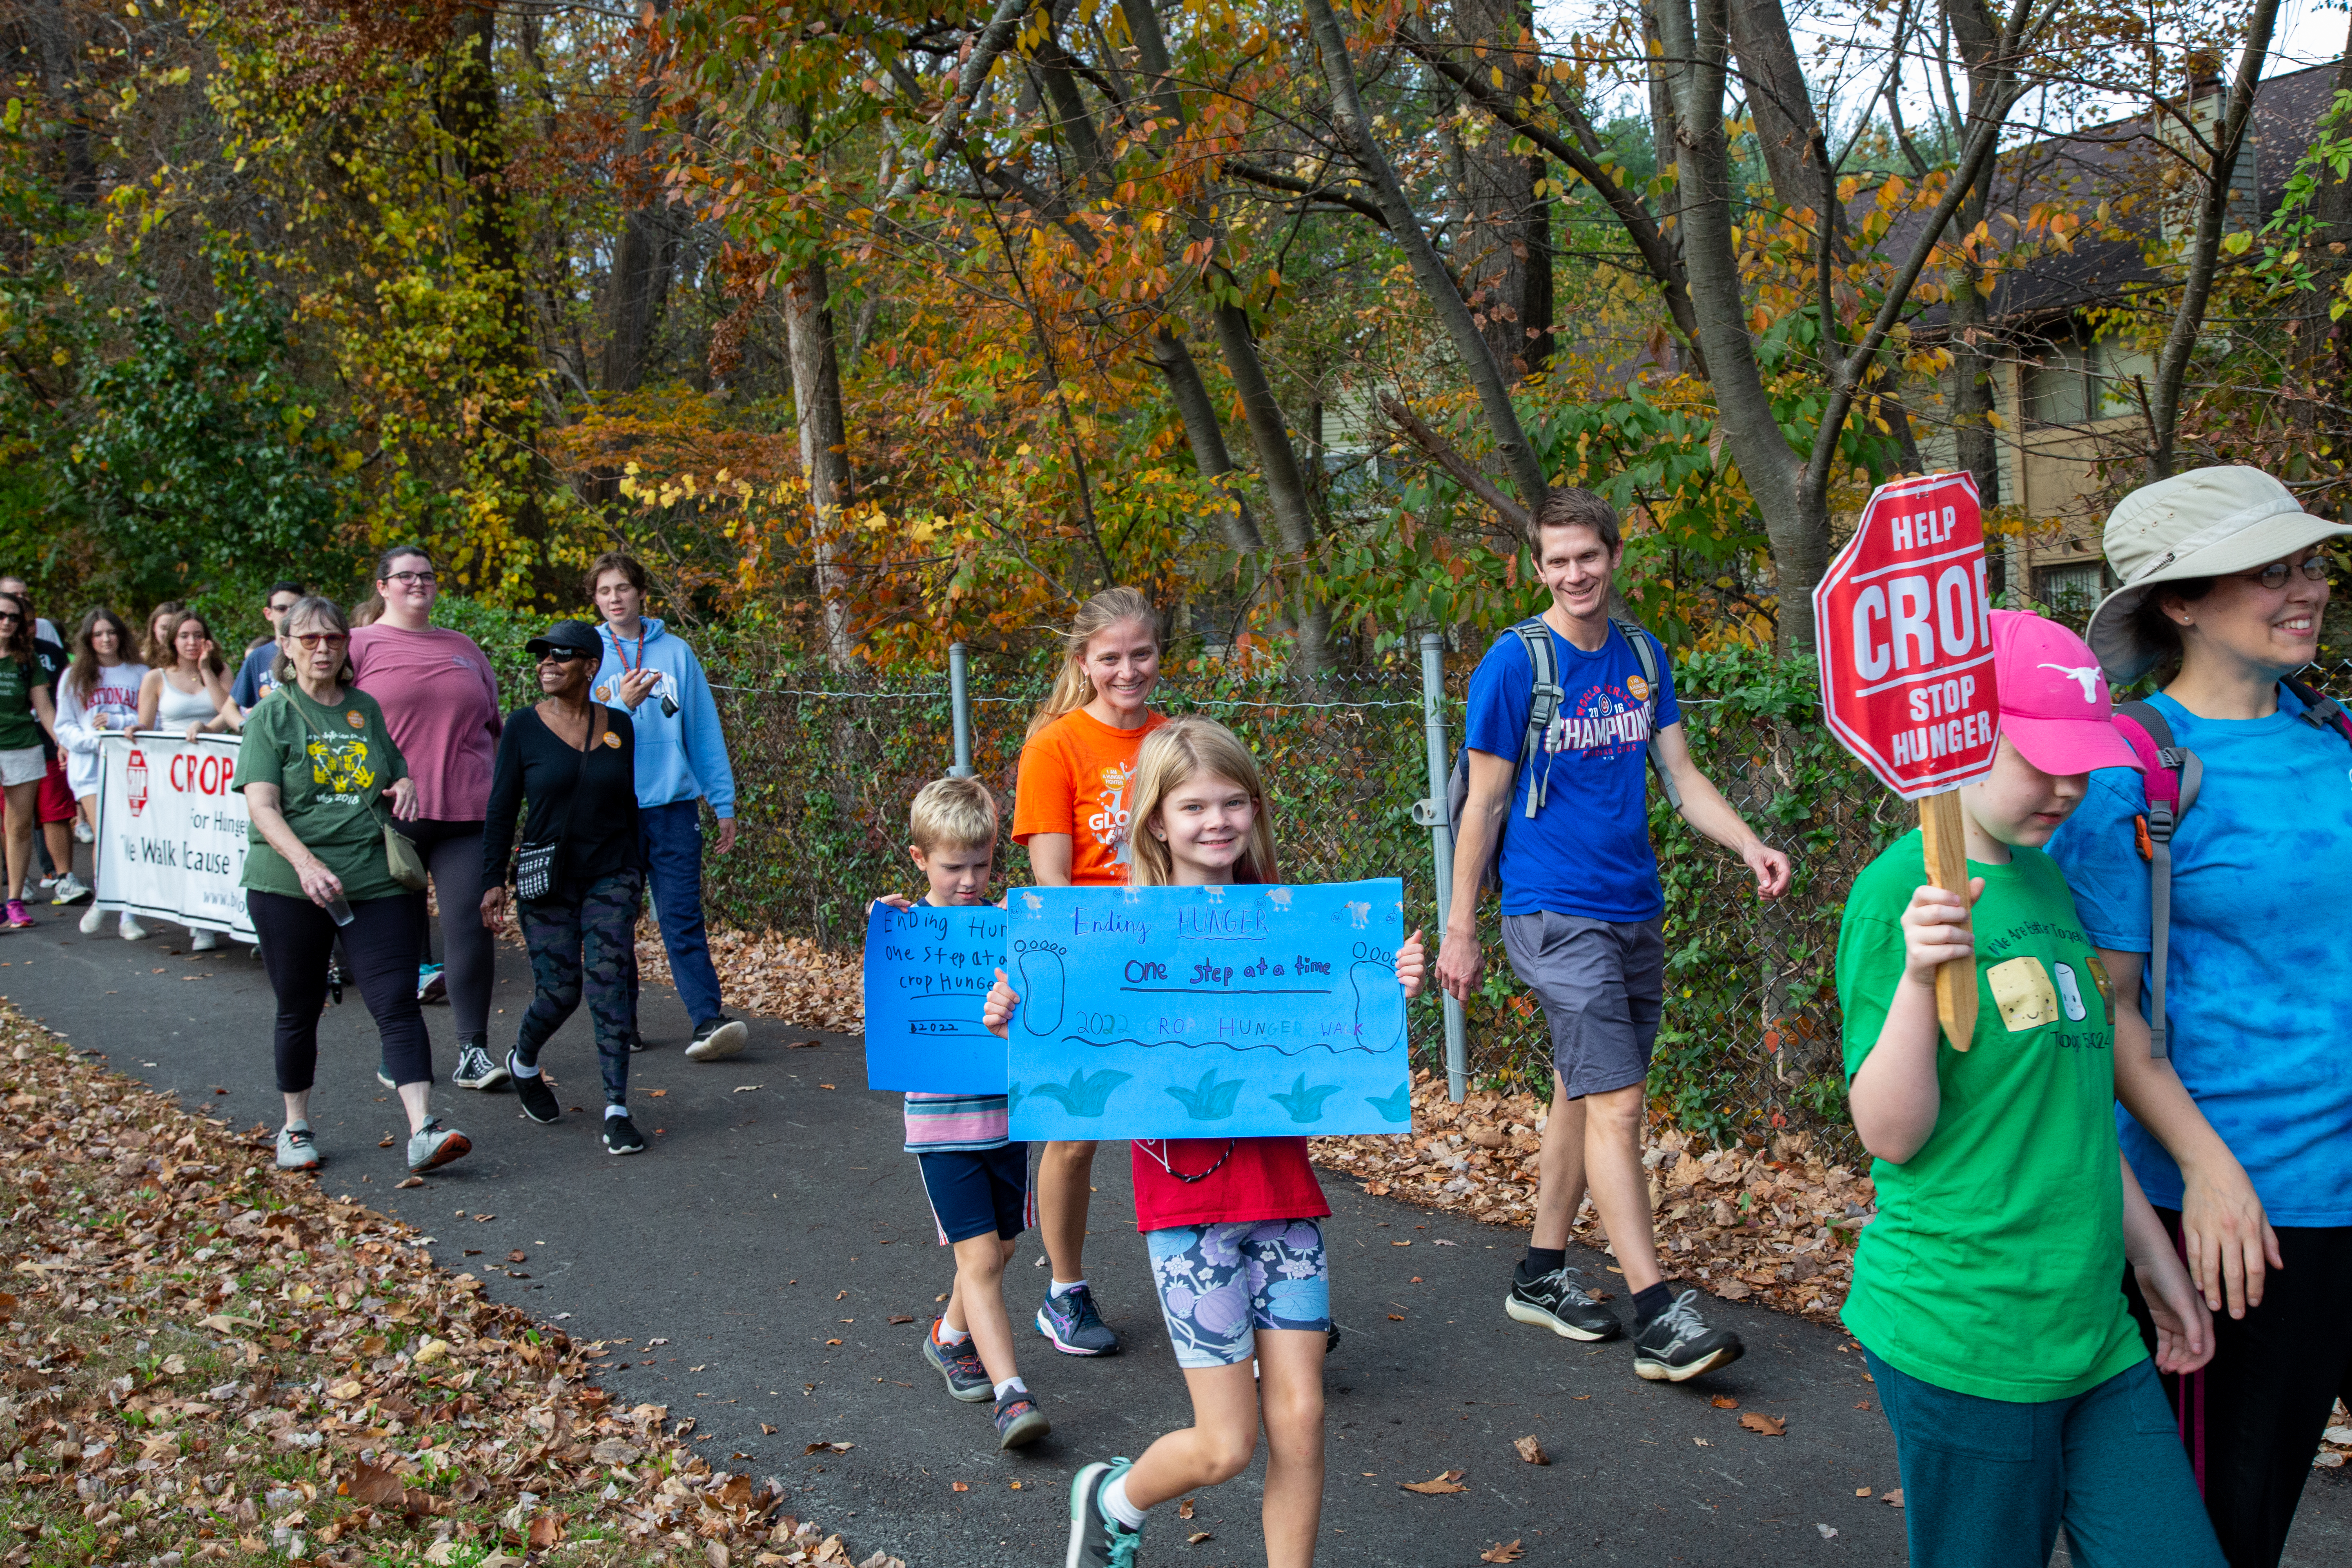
{"x": 1987, "y": 1291}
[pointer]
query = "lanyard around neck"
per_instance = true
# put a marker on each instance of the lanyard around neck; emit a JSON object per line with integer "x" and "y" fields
{"x": 621, "y": 650}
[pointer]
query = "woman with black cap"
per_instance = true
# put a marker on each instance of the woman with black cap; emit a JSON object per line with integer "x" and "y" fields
{"x": 578, "y": 874}
{"x": 2216, "y": 919}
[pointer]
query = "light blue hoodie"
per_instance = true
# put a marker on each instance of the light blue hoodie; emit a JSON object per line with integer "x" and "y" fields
{"x": 681, "y": 756}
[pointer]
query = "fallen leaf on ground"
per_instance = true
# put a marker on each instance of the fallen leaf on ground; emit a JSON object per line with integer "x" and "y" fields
{"x": 1724, "y": 1402}
{"x": 902, "y": 1318}
{"x": 385, "y": 1144}
{"x": 1197, "y": 1537}
{"x": 517, "y": 1255}
{"x": 410, "y": 1181}
{"x": 376, "y": 1485}
{"x": 1502, "y": 1551}
{"x": 1531, "y": 1450}
{"x": 1769, "y": 1425}
{"x": 656, "y": 1094}
{"x": 1184, "y": 1509}
{"x": 767, "y": 1430}
{"x": 1437, "y": 1486}
{"x": 1827, "y": 1533}
{"x": 746, "y": 1088}
{"x": 957, "y": 1485}
{"x": 1861, "y": 1492}
{"x": 821, "y": 1447}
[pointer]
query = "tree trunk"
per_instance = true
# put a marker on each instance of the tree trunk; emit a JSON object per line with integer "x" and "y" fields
{"x": 1507, "y": 243}
{"x": 57, "y": 34}
{"x": 1191, "y": 396}
{"x": 645, "y": 257}
{"x": 824, "y": 443}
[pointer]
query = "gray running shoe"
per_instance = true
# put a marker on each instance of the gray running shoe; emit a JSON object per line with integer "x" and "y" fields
{"x": 477, "y": 1069}
{"x": 1558, "y": 1301}
{"x": 295, "y": 1150}
{"x": 434, "y": 1145}
{"x": 1019, "y": 1421}
{"x": 1678, "y": 1345}
{"x": 967, "y": 1378}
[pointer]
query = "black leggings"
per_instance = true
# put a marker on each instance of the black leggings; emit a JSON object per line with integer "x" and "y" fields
{"x": 2266, "y": 1395}
{"x": 298, "y": 940}
{"x": 453, "y": 855}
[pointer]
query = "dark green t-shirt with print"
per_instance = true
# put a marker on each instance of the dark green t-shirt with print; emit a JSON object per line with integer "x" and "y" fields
{"x": 1995, "y": 1264}
{"x": 330, "y": 765}
{"x": 20, "y": 726}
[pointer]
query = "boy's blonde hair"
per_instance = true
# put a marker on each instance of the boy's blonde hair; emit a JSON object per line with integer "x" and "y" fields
{"x": 1171, "y": 755}
{"x": 956, "y": 814}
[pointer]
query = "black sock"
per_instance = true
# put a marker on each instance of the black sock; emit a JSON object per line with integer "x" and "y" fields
{"x": 1648, "y": 1304}
{"x": 1543, "y": 1260}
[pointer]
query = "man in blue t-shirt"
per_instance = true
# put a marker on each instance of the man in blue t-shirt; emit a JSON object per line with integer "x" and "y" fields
{"x": 254, "y": 681}
{"x": 1582, "y": 921}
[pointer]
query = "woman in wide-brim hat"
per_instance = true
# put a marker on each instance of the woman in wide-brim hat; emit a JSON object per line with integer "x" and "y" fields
{"x": 2239, "y": 1135}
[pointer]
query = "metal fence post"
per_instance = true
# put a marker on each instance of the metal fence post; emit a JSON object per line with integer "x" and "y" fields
{"x": 959, "y": 702}
{"x": 1431, "y": 814}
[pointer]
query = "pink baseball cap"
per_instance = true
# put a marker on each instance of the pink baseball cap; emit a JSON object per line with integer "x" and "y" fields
{"x": 2053, "y": 697}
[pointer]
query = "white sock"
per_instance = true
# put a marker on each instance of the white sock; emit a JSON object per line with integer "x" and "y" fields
{"x": 1061, "y": 1290}
{"x": 610, "y": 1111}
{"x": 514, "y": 1065}
{"x": 1115, "y": 1503}
{"x": 1011, "y": 1385}
{"x": 950, "y": 1337}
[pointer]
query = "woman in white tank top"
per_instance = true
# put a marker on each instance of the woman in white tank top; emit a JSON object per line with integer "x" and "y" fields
{"x": 192, "y": 693}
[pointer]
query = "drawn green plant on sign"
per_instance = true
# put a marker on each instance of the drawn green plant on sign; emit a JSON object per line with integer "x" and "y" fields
{"x": 1305, "y": 1104}
{"x": 1087, "y": 1093}
{"x": 1397, "y": 1107}
{"x": 1012, "y": 1093}
{"x": 1210, "y": 1100}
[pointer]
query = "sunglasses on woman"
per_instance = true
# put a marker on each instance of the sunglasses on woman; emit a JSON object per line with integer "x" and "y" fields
{"x": 561, "y": 656}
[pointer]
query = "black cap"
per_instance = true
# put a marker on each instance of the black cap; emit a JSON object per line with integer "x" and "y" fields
{"x": 574, "y": 637}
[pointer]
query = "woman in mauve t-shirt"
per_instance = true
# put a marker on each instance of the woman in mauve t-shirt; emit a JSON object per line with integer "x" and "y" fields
{"x": 1070, "y": 810}
{"x": 440, "y": 700}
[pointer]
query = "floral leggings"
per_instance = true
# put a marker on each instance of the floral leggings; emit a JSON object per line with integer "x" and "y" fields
{"x": 1218, "y": 1284}
{"x": 583, "y": 945}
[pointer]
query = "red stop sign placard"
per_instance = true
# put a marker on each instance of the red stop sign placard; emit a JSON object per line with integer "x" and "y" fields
{"x": 1905, "y": 632}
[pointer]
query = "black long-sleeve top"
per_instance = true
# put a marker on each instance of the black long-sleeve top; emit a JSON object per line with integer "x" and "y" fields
{"x": 536, "y": 765}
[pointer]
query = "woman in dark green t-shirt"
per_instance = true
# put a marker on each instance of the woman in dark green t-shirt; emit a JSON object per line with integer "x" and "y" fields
{"x": 318, "y": 769}
{"x": 24, "y": 712}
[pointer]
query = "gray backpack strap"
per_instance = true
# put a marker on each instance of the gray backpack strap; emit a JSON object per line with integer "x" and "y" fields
{"x": 1634, "y": 634}
{"x": 2167, "y": 793}
{"x": 1543, "y": 705}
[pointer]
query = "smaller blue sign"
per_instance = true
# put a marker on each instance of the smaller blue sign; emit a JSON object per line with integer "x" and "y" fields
{"x": 927, "y": 971}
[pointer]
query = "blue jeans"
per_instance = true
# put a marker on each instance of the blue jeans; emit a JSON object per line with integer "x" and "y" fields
{"x": 670, "y": 837}
{"x": 1987, "y": 1483}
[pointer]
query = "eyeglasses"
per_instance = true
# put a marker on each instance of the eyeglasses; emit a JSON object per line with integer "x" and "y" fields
{"x": 2275, "y": 576}
{"x": 410, "y": 579}
{"x": 561, "y": 656}
{"x": 320, "y": 639}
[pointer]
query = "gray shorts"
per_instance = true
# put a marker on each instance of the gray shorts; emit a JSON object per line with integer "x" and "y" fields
{"x": 1601, "y": 983}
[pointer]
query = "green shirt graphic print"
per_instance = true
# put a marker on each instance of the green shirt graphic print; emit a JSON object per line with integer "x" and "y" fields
{"x": 330, "y": 765}
{"x": 1995, "y": 1264}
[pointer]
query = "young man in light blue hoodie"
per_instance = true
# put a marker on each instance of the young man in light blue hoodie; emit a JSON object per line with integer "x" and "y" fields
{"x": 655, "y": 679}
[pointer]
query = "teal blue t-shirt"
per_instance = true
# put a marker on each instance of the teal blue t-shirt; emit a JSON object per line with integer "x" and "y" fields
{"x": 2256, "y": 1006}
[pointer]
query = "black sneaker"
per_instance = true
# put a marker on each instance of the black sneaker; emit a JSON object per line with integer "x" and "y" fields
{"x": 716, "y": 1039}
{"x": 1676, "y": 1345}
{"x": 1096, "y": 1539}
{"x": 636, "y": 1042}
{"x": 1558, "y": 1301}
{"x": 539, "y": 1101}
{"x": 622, "y": 1137}
{"x": 1019, "y": 1421}
{"x": 477, "y": 1069}
{"x": 1070, "y": 1322}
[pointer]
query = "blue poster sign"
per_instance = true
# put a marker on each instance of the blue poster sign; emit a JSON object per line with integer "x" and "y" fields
{"x": 1234, "y": 1012}
{"x": 927, "y": 971}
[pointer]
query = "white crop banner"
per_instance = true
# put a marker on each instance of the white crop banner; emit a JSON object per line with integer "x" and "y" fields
{"x": 170, "y": 832}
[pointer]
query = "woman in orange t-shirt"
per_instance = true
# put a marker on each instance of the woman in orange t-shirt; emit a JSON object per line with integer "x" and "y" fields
{"x": 1070, "y": 808}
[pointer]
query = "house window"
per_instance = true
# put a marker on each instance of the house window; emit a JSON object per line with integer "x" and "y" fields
{"x": 2071, "y": 587}
{"x": 2075, "y": 378}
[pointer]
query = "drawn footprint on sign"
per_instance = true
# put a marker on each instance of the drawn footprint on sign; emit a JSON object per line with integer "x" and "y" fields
{"x": 1383, "y": 980}
{"x": 1042, "y": 985}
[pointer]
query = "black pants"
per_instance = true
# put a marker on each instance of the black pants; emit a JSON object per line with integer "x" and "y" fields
{"x": 298, "y": 939}
{"x": 452, "y": 852}
{"x": 2275, "y": 1375}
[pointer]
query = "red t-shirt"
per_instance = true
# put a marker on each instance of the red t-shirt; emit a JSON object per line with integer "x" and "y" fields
{"x": 1078, "y": 776}
{"x": 1265, "y": 1178}
{"x": 440, "y": 702}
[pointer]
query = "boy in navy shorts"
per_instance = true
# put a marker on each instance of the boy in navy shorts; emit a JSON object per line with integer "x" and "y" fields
{"x": 977, "y": 1179}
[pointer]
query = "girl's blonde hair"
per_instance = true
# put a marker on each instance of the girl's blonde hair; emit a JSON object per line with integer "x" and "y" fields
{"x": 1179, "y": 751}
{"x": 1074, "y": 688}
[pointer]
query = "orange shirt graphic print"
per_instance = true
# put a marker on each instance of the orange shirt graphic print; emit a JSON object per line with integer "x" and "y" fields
{"x": 1108, "y": 822}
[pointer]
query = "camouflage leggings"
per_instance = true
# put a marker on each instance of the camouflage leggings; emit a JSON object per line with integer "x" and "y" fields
{"x": 584, "y": 945}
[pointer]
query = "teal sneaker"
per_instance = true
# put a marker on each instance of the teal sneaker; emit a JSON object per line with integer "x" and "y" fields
{"x": 1096, "y": 1539}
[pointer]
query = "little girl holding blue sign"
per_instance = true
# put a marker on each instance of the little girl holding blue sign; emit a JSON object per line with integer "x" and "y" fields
{"x": 1233, "y": 1223}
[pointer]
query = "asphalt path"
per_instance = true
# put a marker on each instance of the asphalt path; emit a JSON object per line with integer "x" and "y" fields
{"x": 750, "y": 1271}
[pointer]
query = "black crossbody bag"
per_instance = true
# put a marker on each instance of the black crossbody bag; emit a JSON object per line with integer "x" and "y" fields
{"x": 535, "y": 859}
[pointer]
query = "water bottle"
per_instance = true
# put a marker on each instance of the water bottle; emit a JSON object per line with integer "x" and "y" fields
{"x": 340, "y": 909}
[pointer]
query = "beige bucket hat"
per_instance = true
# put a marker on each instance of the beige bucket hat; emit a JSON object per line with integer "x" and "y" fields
{"x": 2206, "y": 524}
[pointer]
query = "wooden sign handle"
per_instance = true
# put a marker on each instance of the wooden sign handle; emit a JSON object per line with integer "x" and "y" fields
{"x": 1948, "y": 867}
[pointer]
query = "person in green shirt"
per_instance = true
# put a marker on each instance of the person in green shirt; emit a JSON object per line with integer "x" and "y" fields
{"x": 1988, "y": 1291}
{"x": 25, "y": 712}
{"x": 315, "y": 764}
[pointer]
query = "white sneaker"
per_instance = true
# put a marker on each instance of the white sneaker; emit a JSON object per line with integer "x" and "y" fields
{"x": 296, "y": 1151}
{"x": 92, "y": 920}
{"x": 205, "y": 942}
{"x": 132, "y": 930}
{"x": 68, "y": 889}
{"x": 82, "y": 835}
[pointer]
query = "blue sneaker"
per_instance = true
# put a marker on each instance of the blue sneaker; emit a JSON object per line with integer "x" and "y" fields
{"x": 1071, "y": 1323}
{"x": 432, "y": 985}
{"x": 967, "y": 1378}
{"x": 1019, "y": 1421}
{"x": 1096, "y": 1539}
